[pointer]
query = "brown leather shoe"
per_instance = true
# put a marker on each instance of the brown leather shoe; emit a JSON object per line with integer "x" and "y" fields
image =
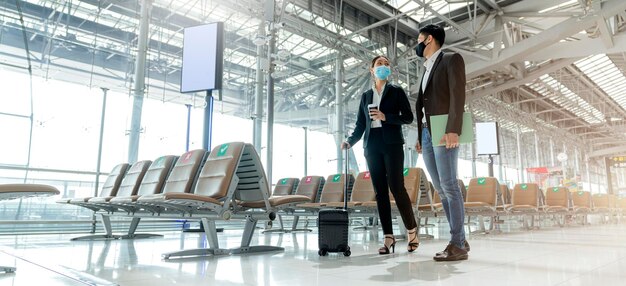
{"x": 467, "y": 248}
{"x": 452, "y": 253}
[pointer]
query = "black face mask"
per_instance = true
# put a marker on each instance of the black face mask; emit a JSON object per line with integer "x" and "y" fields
{"x": 419, "y": 50}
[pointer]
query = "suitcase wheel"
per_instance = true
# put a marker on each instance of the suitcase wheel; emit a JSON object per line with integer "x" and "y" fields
{"x": 322, "y": 252}
{"x": 347, "y": 252}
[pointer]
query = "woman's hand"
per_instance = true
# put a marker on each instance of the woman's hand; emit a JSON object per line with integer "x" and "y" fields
{"x": 345, "y": 145}
{"x": 376, "y": 114}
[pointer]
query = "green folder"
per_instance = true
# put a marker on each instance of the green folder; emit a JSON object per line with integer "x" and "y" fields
{"x": 438, "y": 128}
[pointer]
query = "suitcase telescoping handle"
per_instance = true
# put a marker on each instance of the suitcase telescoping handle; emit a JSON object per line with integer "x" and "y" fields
{"x": 346, "y": 179}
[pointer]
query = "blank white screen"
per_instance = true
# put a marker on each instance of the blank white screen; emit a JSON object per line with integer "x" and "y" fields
{"x": 486, "y": 138}
{"x": 199, "y": 58}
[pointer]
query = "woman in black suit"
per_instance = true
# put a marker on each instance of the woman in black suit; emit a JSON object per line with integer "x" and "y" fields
{"x": 381, "y": 129}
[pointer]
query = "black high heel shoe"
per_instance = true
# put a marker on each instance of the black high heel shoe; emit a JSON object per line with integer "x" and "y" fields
{"x": 413, "y": 242}
{"x": 385, "y": 248}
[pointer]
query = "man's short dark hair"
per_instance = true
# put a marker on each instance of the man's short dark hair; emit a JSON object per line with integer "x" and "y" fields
{"x": 436, "y": 31}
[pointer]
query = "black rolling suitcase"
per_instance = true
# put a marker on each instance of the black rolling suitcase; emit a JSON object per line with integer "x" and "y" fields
{"x": 333, "y": 225}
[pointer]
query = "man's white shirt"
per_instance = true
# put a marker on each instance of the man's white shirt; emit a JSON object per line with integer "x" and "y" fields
{"x": 429, "y": 66}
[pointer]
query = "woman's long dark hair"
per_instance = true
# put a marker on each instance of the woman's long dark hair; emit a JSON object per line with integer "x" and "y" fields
{"x": 378, "y": 57}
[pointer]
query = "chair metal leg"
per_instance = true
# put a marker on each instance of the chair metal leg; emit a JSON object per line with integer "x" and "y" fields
{"x": 246, "y": 239}
{"x": 282, "y": 229}
{"x": 7, "y": 269}
{"x": 133, "y": 227}
{"x": 294, "y": 225}
{"x": 106, "y": 223}
{"x": 211, "y": 236}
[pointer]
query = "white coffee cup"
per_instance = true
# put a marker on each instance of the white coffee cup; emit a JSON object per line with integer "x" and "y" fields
{"x": 371, "y": 107}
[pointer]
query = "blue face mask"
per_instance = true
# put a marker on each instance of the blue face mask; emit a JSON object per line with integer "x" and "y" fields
{"x": 382, "y": 72}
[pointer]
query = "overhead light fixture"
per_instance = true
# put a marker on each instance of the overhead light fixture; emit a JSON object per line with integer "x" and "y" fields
{"x": 283, "y": 54}
{"x": 259, "y": 40}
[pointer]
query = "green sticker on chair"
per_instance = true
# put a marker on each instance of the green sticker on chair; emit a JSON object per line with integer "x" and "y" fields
{"x": 580, "y": 193}
{"x": 336, "y": 178}
{"x": 222, "y": 150}
{"x": 555, "y": 189}
{"x": 524, "y": 187}
{"x": 482, "y": 181}
{"x": 283, "y": 181}
{"x": 405, "y": 172}
{"x": 159, "y": 162}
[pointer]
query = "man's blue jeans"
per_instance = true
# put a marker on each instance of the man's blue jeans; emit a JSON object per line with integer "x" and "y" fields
{"x": 441, "y": 164}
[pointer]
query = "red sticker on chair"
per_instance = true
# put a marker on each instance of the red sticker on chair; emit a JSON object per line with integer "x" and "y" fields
{"x": 367, "y": 175}
{"x": 187, "y": 157}
{"x": 308, "y": 180}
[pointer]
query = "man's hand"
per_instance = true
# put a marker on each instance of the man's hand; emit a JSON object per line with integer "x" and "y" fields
{"x": 345, "y": 145}
{"x": 418, "y": 147}
{"x": 451, "y": 140}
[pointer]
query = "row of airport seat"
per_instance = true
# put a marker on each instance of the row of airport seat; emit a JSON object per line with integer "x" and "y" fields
{"x": 487, "y": 198}
{"x": 227, "y": 183}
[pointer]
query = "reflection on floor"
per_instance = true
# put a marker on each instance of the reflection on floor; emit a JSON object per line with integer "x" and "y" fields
{"x": 574, "y": 255}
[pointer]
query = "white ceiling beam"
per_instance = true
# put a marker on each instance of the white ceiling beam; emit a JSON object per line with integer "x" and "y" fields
{"x": 497, "y": 37}
{"x": 379, "y": 23}
{"x": 522, "y": 49}
{"x": 530, "y": 76}
{"x": 493, "y": 5}
{"x": 605, "y": 34}
{"x": 446, "y": 19}
{"x": 407, "y": 26}
{"x": 620, "y": 150}
{"x": 579, "y": 49}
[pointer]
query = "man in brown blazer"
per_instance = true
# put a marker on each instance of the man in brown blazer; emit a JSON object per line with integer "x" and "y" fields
{"x": 442, "y": 91}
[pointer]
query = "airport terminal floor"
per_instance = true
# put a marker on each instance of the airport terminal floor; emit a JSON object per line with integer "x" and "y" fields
{"x": 550, "y": 255}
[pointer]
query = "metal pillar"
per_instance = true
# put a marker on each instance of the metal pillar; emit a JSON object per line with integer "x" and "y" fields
{"x": 306, "y": 150}
{"x": 537, "y": 160}
{"x": 139, "y": 82}
{"x": 564, "y": 163}
{"x": 501, "y": 176}
{"x": 207, "y": 133}
{"x": 188, "y": 126}
{"x": 258, "y": 103}
{"x": 576, "y": 163}
{"x": 339, "y": 108}
{"x": 100, "y": 142}
{"x": 609, "y": 176}
{"x": 520, "y": 166}
{"x": 270, "y": 103}
{"x": 552, "y": 164}
{"x": 474, "y": 174}
{"x": 587, "y": 171}
{"x": 99, "y": 160}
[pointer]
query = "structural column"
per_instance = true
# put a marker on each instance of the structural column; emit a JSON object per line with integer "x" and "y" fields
{"x": 474, "y": 173}
{"x": 139, "y": 82}
{"x": 339, "y": 109}
{"x": 258, "y": 102}
{"x": 576, "y": 163}
{"x": 587, "y": 171}
{"x": 306, "y": 150}
{"x": 520, "y": 166}
{"x": 270, "y": 103}
{"x": 552, "y": 164}
{"x": 537, "y": 159}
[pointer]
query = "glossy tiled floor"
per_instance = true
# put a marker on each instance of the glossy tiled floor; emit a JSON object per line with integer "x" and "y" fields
{"x": 574, "y": 255}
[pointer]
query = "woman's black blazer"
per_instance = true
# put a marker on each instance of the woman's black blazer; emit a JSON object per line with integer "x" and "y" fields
{"x": 397, "y": 109}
